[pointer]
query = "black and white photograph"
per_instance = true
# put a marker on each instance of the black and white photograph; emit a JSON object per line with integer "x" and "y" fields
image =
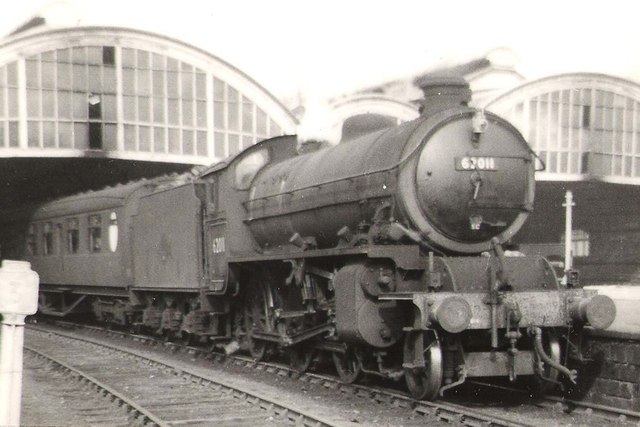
{"x": 319, "y": 213}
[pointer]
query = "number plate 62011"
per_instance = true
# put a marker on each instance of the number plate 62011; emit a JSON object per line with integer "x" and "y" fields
{"x": 469, "y": 163}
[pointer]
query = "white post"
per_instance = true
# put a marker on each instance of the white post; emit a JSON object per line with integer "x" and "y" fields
{"x": 18, "y": 298}
{"x": 568, "y": 235}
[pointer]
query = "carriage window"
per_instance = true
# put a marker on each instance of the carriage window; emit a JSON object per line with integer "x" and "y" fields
{"x": 95, "y": 233}
{"x": 113, "y": 232}
{"x": 47, "y": 239}
{"x": 249, "y": 166}
{"x": 73, "y": 236}
{"x": 31, "y": 240}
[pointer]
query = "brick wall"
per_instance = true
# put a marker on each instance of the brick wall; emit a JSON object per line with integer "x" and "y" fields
{"x": 612, "y": 376}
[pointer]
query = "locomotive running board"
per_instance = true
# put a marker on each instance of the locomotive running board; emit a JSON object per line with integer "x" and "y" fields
{"x": 406, "y": 257}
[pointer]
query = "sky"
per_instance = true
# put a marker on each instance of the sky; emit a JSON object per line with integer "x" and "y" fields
{"x": 323, "y": 48}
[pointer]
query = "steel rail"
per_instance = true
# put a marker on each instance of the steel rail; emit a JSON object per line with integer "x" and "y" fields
{"x": 296, "y": 415}
{"x": 142, "y": 414}
{"x": 446, "y": 411}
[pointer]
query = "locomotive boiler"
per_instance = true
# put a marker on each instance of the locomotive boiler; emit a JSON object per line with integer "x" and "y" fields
{"x": 385, "y": 252}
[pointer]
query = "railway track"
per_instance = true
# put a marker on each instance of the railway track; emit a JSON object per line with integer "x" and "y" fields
{"x": 527, "y": 412}
{"x": 154, "y": 392}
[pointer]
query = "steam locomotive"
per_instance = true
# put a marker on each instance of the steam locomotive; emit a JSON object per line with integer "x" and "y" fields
{"x": 384, "y": 252}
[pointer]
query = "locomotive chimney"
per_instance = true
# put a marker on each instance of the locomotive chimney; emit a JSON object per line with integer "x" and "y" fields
{"x": 442, "y": 93}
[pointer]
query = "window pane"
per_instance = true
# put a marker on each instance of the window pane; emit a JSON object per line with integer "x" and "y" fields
{"x": 13, "y": 134}
{"x": 33, "y": 74}
{"x": 174, "y": 111}
{"x": 201, "y": 144}
{"x": 159, "y": 140}
{"x": 188, "y": 146}
{"x": 79, "y": 78}
{"x": 187, "y": 112}
{"x": 128, "y": 82}
{"x": 64, "y": 76}
{"x": 201, "y": 86}
{"x": 78, "y": 55}
{"x": 33, "y": 136}
{"x": 63, "y": 55}
{"x": 261, "y": 123}
{"x": 80, "y": 133}
{"x": 172, "y": 85}
{"x": 109, "y": 83}
{"x": 130, "y": 138}
{"x": 80, "y": 106}
{"x": 64, "y": 105}
{"x": 218, "y": 89}
{"x": 65, "y": 134}
{"x": 128, "y": 58}
{"x": 174, "y": 141}
{"x": 187, "y": 85}
{"x": 94, "y": 55}
{"x": 12, "y": 74}
{"x": 48, "y": 104}
{"x": 143, "y": 109}
{"x": 144, "y": 135}
{"x": 143, "y": 59}
{"x": 33, "y": 103}
{"x": 49, "y": 135}
{"x": 110, "y": 137}
{"x": 158, "y": 83}
{"x": 95, "y": 79}
{"x": 247, "y": 115}
{"x": 201, "y": 114}
{"x": 219, "y": 145}
{"x": 234, "y": 144}
{"x": 144, "y": 82}
{"x": 218, "y": 114}
{"x": 109, "y": 108}
{"x": 48, "y": 75}
{"x": 129, "y": 108}
{"x": 158, "y": 110}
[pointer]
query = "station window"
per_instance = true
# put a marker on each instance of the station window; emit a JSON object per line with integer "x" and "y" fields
{"x": 95, "y": 233}
{"x": 47, "y": 239}
{"x": 31, "y": 240}
{"x": 73, "y": 236}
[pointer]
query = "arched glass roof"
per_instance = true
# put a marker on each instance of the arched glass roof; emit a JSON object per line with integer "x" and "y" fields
{"x": 128, "y": 94}
{"x": 583, "y": 126}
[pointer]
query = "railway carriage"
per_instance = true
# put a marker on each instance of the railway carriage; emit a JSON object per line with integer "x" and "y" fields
{"x": 385, "y": 251}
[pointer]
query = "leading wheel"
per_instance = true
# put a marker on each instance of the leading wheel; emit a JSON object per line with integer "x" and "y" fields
{"x": 348, "y": 365}
{"x": 423, "y": 364}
